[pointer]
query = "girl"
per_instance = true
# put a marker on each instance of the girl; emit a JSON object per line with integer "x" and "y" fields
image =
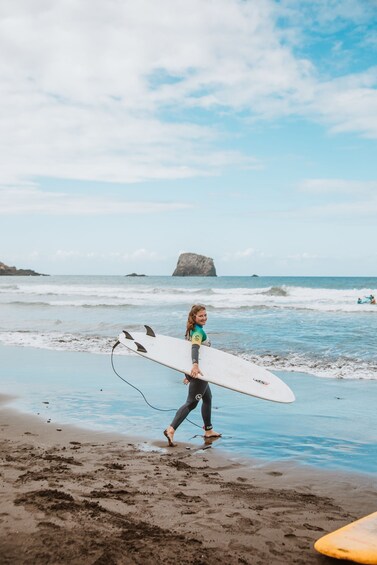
{"x": 198, "y": 389}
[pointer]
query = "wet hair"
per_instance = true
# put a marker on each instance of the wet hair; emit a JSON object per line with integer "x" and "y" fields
{"x": 191, "y": 318}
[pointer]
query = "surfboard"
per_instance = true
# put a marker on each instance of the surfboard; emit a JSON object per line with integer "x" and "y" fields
{"x": 218, "y": 367}
{"x": 355, "y": 542}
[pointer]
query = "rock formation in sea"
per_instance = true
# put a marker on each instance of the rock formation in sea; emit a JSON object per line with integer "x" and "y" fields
{"x": 194, "y": 265}
{"x": 13, "y": 271}
{"x": 135, "y": 275}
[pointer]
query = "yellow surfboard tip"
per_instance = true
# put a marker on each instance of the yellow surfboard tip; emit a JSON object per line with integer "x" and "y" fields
{"x": 355, "y": 542}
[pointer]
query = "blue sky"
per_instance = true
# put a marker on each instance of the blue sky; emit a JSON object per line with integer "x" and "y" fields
{"x": 134, "y": 130}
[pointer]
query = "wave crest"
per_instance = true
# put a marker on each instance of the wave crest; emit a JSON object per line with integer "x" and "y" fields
{"x": 340, "y": 368}
{"x": 276, "y": 291}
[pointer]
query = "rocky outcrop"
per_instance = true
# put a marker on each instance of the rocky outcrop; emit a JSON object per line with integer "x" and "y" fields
{"x": 135, "y": 275}
{"x": 193, "y": 265}
{"x": 13, "y": 271}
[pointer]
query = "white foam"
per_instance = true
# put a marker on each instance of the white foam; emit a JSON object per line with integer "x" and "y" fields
{"x": 342, "y": 368}
{"x": 62, "y": 342}
{"x": 282, "y": 297}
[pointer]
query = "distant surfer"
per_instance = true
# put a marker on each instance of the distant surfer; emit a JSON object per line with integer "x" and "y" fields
{"x": 198, "y": 389}
{"x": 367, "y": 300}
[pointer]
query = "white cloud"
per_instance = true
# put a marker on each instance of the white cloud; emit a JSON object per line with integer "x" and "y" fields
{"x": 348, "y": 104}
{"x": 33, "y": 200}
{"x": 304, "y": 256}
{"x": 141, "y": 254}
{"x": 68, "y": 254}
{"x": 352, "y": 199}
{"x": 239, "y": 255}
{"x": 341, "y": 186}
{"x": 86, "y": 88}
{"x": 82, "y": 99}
{"x": 245, "y": 253}
{"x": 358, "y": 210}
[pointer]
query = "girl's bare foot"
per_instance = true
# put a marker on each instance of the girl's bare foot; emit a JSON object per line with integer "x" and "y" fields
{"x": 211, "y": 433}
{"x": 169, "y": 434}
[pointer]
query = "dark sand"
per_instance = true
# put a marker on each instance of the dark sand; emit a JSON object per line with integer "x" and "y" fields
{"x": 78, "y": 497}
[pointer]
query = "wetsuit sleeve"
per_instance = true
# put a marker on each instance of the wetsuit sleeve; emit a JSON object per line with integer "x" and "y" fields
{"x": 195, "y": 353}
{"x": 196, "y": 340}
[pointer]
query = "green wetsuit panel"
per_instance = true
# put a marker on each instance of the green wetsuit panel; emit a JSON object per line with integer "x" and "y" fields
{"x": 197, "y": 335}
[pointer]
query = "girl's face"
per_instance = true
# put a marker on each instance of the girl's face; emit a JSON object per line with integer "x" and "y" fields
{"x": 201, "y": 317}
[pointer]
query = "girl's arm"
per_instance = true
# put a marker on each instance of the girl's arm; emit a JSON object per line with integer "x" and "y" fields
{"x": 195, "y": 371}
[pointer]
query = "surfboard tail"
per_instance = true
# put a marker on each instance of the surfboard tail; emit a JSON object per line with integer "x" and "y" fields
{"x": 128, "y": 335}
{"x": 140, "y": 348}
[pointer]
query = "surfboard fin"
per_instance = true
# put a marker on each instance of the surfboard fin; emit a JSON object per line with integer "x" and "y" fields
{"x": 128, "y": 335}
{"x": 150, "y": 331}
{"x": 140, "y": 347}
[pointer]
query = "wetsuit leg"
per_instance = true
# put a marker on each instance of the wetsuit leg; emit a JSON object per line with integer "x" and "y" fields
{"x": 207, "y": 408}
{"x": 197, "y": 391}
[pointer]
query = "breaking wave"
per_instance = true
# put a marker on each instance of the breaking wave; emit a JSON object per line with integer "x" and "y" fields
{"x": 275, "y": 291}
{"x": 278, "y": 296}
{"x": 340, "y": 368}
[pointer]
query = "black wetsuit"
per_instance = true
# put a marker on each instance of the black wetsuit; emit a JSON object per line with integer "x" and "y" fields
{"x": 197, "y": 388}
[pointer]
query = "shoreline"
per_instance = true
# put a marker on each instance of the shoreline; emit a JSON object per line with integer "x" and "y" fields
{"x": 292, "y": 468}
{"x": 71, "y": 495}
{"x": 79, "y": 389}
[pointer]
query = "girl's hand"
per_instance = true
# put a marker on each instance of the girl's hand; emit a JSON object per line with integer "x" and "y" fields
{"x": 195, "y": 371}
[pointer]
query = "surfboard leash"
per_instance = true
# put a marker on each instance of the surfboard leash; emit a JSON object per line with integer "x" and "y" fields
{"x": 141, "y": 392}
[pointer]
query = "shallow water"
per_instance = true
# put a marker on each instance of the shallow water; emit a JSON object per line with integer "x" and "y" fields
{"x": 57, "y": 333}
{"x": 331, "y": 425}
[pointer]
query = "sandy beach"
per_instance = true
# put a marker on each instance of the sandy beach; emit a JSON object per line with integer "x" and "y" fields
{"x": 74, "y": 496}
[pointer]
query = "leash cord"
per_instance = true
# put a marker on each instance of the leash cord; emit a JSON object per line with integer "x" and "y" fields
{"x": 141, "y": 392}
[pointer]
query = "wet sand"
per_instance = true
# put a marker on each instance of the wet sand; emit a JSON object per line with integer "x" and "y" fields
{"x": 80, "y": 497}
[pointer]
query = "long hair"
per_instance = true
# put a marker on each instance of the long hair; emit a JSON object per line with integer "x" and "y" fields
{"x": 191, "y": 318}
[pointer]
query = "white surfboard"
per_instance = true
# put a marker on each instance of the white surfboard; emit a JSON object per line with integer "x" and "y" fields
{"x": 218, "y": 367}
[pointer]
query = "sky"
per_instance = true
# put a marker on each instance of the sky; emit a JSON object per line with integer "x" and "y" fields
{"x": 134, "y": 130}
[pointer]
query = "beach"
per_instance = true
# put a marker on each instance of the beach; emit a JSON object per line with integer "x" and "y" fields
{"x": 86, "y": 475}
{"x": 187, "y": 201}
{"x": 78, "y": 496}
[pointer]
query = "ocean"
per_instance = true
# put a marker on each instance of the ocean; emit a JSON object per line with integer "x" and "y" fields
{"x": 310, "y": 331}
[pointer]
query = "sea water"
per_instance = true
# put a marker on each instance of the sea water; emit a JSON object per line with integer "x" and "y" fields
{"x": 57, "y": 334}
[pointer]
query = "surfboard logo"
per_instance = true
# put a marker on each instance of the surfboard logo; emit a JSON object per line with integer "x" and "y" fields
{"x": 261, "y": 382}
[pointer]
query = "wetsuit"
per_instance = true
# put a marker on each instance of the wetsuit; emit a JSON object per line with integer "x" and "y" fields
{"x": 366, "y": 300}
{"x": 197, "y": 388}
